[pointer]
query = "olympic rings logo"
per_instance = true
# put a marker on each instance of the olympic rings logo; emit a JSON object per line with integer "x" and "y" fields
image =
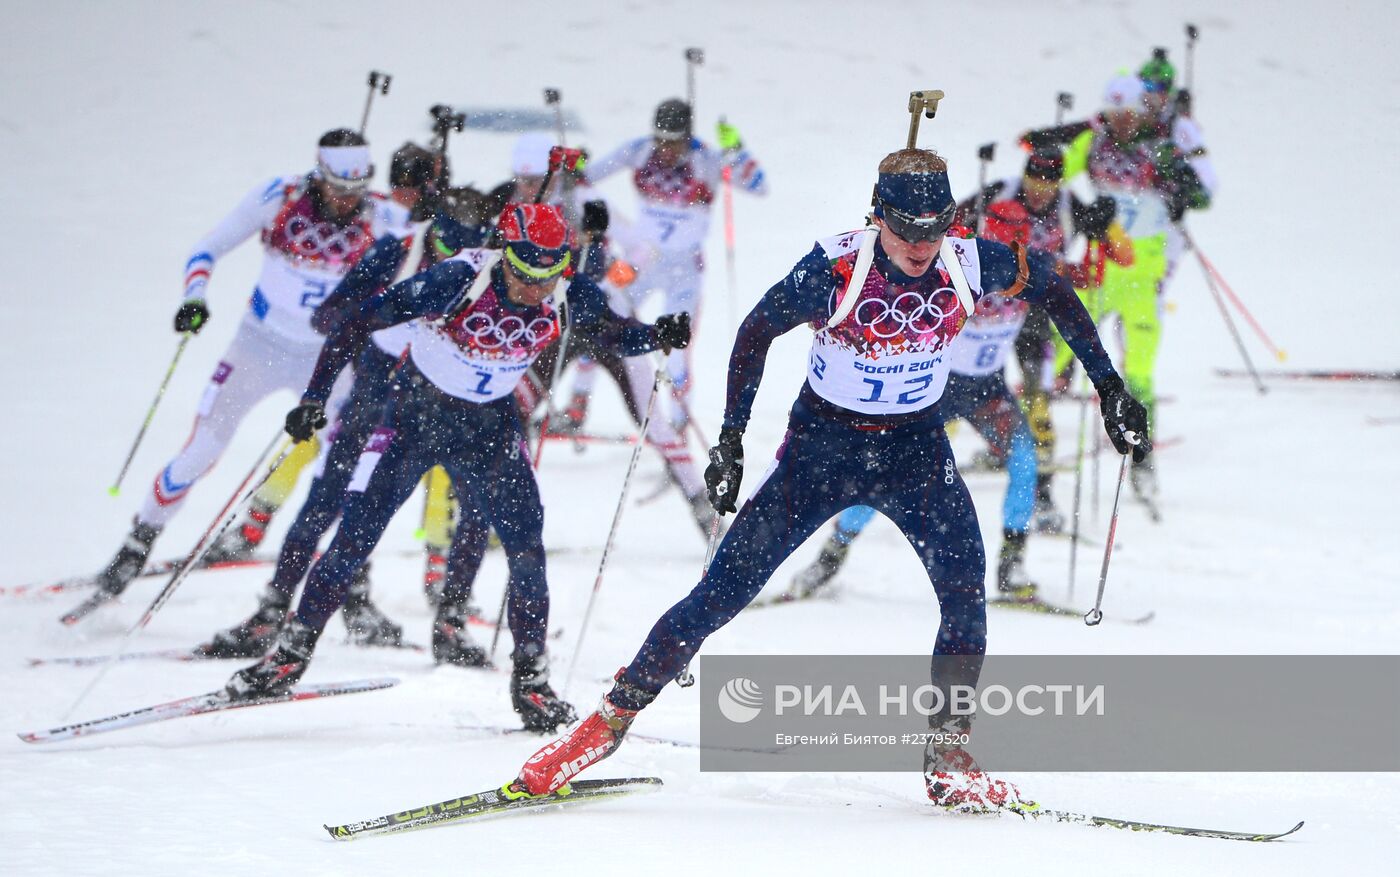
{"x": 909, "y": 312}
{"x": 312, "y": 239}
{"x": 488, "y": 333}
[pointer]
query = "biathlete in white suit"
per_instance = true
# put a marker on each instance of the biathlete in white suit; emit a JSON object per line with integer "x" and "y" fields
{"x": 313, "y": 228}
{"x": 677, "y": 177}
{"x": 866, "y": 429}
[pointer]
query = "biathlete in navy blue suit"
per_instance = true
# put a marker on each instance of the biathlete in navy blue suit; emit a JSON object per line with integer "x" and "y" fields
{"x": 865, "y": 429}
{"x": 483, "y": 317}
{"x": 451, "y": 231}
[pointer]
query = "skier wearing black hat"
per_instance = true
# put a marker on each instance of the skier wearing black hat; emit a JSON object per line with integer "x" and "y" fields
{"x": 884, "y": 305}
{"x": 1031, "y": 210}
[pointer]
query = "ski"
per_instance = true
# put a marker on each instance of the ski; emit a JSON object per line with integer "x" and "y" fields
{"x": 198, "y": 653}
{"x": 1313, "y": 375}
{"x": 499, "y": 731}
{"x": 1134, "y": 825}
{"x": 1040, "y": 607}
{"x": 194, "y": 654}
{"x": 492, "y": 802}
{"x": 159, "y": 568}
{"x": 214, "y": 701}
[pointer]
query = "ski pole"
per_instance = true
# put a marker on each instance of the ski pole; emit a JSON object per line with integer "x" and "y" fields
{"x": 558, "y": 371}
{"x": 1225, "y": 315}
{"x": 1063, "y": 101}
{"x": 693, "y": 58}
{"x": 1278, "y": 352}
{"x": 226, "y": 516}
{"x": 150, "y": 415}
{"x": 1078, "y": 487}
{"x": 687, "y": 679}
{"x": 727, "y": 178}
{"x": 1191, "y": 35}
{"x": 612, "y": 531}
{"x": 377, "y": 82}
{"x": 985, "y": 153}
{"x": 1098, "y": 434}
{"x": 551, "y": 99}
{"x": 1095, "y": 615}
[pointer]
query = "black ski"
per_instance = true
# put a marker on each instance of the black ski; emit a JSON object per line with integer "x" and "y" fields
{"x": 1040, "y": 607}
{"x": 1313, "y": 375}
{"x": 492, "y": 802}
{"x": 1134, "y": 825}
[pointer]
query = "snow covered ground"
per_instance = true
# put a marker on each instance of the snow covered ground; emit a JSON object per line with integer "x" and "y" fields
{"x": 128, "y": 129}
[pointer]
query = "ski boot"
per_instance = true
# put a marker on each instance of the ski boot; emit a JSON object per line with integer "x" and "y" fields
{"x": 452, "y": 643}
{"x": 254, "y": 637}
{"x": 238, "y": 542}
{"x": 1045, "y": 518}
{"x": 130, "y": 559}
{"x": 279, "y": 671}
{"x": 1013, "y": 583}
{"x": 573, "y": 416}
{"x": 539, "y": 707}
{"x": 823, "y": 569}
{"x": 126, "y": 565}
{"x": 365, "y": 624}
{"x": 595, "y": 738}
{"x": 434, "y": 574}
{"x": 986, "y": 461}
{"x": 956, "y": 783}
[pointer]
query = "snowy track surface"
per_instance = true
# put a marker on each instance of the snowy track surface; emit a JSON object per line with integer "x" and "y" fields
{"x": 129, "y": 129}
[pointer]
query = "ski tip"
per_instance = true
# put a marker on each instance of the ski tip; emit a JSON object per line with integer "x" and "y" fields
{"x": 1291, "y": 830}
{"x": 337, "y": 832}
{"x": 28, "y": 736}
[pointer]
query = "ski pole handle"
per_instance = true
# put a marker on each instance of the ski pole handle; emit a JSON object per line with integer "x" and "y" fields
{"x": 1064, "y": 101}
{"x": 377, "y": 82}
{"x": 693, "y": 58}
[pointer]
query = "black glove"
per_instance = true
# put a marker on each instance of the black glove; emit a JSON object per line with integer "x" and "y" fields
{"x": 595, "y": 217}
{"x": 1183, "y": 102}
{"x": 1176, "y": 206}
{"x": 726, "y": 470}
{"x": 673, "y": 331}
{"x": 191, "y": 316}
{"x": 1123, "y": 416}
{"x": 1093, "y": 219}
{"x": 304, "y": 420}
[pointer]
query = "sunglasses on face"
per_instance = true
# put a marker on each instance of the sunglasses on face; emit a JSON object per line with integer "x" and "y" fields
{"x": 918, "y": 229}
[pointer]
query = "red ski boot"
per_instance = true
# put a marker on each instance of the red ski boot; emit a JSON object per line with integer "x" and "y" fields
{"x": 956, "y": 783}
{"x": 594, "y": 739}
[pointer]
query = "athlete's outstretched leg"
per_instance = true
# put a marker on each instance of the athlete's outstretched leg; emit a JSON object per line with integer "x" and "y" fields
{"x": 809, "y": 483}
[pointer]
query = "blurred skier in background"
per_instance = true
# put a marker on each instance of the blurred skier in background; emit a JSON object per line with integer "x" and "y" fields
{"x": 677, "y": 177}
{"x": 313, "y": 228}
